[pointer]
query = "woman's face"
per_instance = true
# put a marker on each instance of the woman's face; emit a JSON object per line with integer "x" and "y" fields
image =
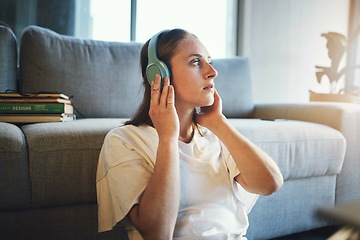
{"x": 192, "y": 74}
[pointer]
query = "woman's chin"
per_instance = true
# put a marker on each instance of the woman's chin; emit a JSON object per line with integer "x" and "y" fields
{"x": 208, "y": 103}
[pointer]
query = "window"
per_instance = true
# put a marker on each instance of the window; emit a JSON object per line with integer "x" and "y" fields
{"x": 214, "y": 22}
{"x": 107, "y": 20}
{"x": 211, "y": 21}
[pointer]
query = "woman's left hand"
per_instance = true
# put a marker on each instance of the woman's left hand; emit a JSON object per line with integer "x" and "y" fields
{"x": 209, "y": 115}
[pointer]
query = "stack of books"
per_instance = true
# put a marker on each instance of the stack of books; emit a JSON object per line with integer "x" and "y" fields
{"x": 35, "y": 108}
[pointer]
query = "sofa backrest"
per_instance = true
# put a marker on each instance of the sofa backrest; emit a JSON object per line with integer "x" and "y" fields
{"x": 8, "y": 59}
{"x": 104, "y": 78}
{"x": 234, "y": 86}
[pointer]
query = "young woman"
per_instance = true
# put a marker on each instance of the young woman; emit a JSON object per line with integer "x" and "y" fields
{"x": 172, "y": 172}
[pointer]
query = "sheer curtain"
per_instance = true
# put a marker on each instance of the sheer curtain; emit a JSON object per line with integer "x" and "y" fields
{"x": 353, "y": 58}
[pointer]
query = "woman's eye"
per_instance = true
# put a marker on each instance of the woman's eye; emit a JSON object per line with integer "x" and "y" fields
{"x": 196, "y": 62}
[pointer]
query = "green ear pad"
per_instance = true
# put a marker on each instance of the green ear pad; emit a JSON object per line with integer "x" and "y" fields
{"x": 155, "y": 65}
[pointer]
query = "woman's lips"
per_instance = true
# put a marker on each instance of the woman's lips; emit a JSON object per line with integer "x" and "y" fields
{"x": 209, "y": 87}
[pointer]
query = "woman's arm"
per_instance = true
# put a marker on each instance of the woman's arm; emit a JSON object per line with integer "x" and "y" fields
{"x": 155, "y": 215}
{"x": 258, "y": 172}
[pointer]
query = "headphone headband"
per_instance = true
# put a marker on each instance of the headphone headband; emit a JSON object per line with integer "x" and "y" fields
{"x": 152, "y": 49}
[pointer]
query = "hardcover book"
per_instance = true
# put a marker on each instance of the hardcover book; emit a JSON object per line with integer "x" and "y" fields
{"x": 33, "y": 95}
{"x": 36, "y": 118}
{"x": 25, "y": 107}
{"x": 35, "y": 107}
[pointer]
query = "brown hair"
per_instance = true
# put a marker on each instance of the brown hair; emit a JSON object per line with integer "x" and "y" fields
{"x": 167, "y": 44}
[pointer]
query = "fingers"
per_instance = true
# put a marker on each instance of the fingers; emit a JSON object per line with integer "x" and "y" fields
{"x": 171, "y": 96}
{"x": 160, "y": 96}
{"x": 216, "y": 96}
{"x": 155, "y": 91}
{"x": 164, "y": 93}
{"x": 156, "y": 85}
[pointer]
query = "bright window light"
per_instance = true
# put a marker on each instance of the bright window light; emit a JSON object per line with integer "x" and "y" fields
{"x": 110, "y": 20}
{"x": 214, "y": 22}
{"x": 208, "y": 20}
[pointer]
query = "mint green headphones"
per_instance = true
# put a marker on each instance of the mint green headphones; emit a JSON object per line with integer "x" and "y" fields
{"x": 155, "y": 65}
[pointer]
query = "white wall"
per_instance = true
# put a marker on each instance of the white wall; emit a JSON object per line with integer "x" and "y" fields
{"x": 282, "y": 39}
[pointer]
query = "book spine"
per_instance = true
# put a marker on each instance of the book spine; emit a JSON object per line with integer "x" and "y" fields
{"x": 18, "y": 108}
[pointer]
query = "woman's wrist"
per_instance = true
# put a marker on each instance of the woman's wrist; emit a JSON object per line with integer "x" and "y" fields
{"x": 215, "y": 123}
{"x": 169, "y": 139}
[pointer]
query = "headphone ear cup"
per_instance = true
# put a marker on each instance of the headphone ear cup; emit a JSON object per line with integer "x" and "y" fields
{"x": 151, "y": 72}
{"x": 155, "y": 65}
{"x": 157, "y": 68}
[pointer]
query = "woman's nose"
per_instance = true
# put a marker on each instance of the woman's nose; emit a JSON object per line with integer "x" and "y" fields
{"x": 211, "y": 72}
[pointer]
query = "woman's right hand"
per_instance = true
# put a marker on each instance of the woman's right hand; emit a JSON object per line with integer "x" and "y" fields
{"x": 162, "y": 109}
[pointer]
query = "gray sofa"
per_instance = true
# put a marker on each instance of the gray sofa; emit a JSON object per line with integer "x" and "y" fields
{"x": 47, "y": 170}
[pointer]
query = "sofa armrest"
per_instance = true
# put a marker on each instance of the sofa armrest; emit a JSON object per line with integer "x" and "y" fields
{"x": 341, "y": 116}
{"x": 344, "y": 117}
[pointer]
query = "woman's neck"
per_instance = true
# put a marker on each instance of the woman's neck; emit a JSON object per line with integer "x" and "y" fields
{"x": 186, "y": 121}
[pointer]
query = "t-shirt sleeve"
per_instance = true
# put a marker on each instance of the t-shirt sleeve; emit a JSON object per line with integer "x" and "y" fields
{"x": 246, "y": 198}
{"x": 122, "y": 176}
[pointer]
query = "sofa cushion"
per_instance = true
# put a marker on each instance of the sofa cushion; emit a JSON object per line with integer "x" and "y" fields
{"x": 234, "y": 86}
{"x": 104, "y": 78}
{"x": 8, "y": 56}
{"x": 63, "y": 156}
{"x": 63, "y": 160}
{"x": 301, "y": 149}
{"x": 14, "y": 169}
{"x": 293, "y": 208}
{"x": 310, "y": 157}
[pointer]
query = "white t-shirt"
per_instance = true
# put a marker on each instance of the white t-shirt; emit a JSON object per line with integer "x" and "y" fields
{"x": 212, "y": 204}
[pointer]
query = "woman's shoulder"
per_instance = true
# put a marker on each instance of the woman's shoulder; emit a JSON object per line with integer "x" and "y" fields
{"x": 132, "y": 141}
{"x": 134, "y": 136}
{"x": 131, "y": 130}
